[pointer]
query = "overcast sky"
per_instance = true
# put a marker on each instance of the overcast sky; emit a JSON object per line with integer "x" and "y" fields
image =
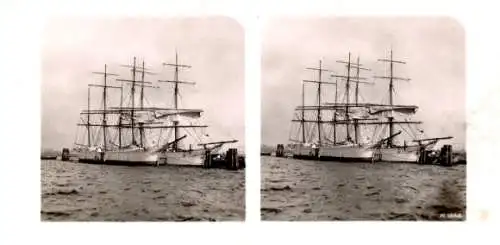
{"x": 434, "y": 49}
{"x": 73, "y": 48}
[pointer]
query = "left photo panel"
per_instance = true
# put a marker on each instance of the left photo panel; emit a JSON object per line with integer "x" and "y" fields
{"x": 142, "y": 120}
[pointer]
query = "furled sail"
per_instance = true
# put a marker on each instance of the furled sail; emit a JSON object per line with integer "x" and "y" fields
{"x": 359, "y": 113}
{"x": 139, "y": 116}
{"x": 177, "y": 114}
{"x": 407, "y": 110}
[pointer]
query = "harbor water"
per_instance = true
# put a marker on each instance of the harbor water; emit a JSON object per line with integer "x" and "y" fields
{"x": 302, "y": 190}
{"x": 84, "y": 192}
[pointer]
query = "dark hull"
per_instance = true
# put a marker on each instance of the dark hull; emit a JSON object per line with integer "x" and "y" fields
{"x": 305, "y": 157}
{"x": 344, "y": 159}
{"x": 332, "y": 159}
{"x": 118, "y": 163}
{"x": 48, "y": 158}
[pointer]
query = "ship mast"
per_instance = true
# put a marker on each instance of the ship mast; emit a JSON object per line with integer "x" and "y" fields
{"x": 120, "y": 119}
{"x": 143, "y": 71}
{"x": 176, "y": 83}
{"x": 391, "y": 78}
{"x": 133, "y": 109}
{"x": 335, "y": 116}
{"x": 302, "y": 123}
{"x": 105, "y": 86}
{"x": 348, "y": 80}
{"x": 88, "y": 117}
{"x": 319, "y": 82}
{"x": 348, "y": 137}
{"x": 132, "y": 91}
{"x": 141, "y": 125}
{"x": 356, "y": 125}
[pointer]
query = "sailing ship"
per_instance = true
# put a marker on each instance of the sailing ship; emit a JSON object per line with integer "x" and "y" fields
{"x": 133, "y": 133}
{"x": 324, "y": 145}
{"x": 356, "y": 119}
{"x": 400, "y": 115}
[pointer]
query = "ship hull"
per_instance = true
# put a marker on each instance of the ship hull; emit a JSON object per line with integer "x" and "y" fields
{"x": 400, "y": 155}
{"x": 349, "y": 153}
{"x": 304, "y": 152}
{"x": 188, "y": 158}
{"x": 127, "y": 158}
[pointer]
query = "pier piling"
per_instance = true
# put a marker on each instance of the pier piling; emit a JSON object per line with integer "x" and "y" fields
{"x": 446, "y": 155}
{"x": 232, "y": 159}
{"x": 208, "y": 160}
{"x": 65, "y": 154}
{"x": 280, "y": 149}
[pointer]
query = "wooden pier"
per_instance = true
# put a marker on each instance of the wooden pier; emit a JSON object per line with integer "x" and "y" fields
{"x": 230, "y": 161}
{"x": 443, "y": 158}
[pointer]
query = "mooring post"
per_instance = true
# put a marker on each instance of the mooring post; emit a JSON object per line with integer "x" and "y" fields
{"x": 234, "y": 158}
{"x": 208, "y": 160}
{"x": 445, "y": 156}
{"x": 65, "y": 154}
{"x": 422, "y": 157}
{"x": 231, "y": 158}
{"x": 280, "y": 150}
{"x": 241, "y": 162}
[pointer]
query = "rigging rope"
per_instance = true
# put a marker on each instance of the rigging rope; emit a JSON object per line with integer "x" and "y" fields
{"x": 414, "y": 134}
{"x": 159, "y": 138}
{"x": 406, "y": 131}
{"x": 76, "y": 136}
{"x": 298, "y": 133}
{"x": 190, "y": 134}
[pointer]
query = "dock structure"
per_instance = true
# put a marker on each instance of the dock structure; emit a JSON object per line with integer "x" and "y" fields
{"x": 231, "y": 160}
{"x": 280, "y": 150}
{"x": 443, "y": 158}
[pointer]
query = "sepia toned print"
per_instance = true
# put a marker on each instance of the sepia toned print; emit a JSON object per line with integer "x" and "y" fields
{"x": 142, "y": 120}
{"x": 375, "y": 119}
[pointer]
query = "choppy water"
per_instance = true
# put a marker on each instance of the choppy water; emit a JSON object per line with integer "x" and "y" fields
{"x": 312, "y": 190}
{"x": 83, "y": 192}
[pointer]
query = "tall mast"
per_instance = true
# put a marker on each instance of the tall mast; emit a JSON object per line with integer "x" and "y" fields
{"x": 349, "y": 79}
{"x": 319, "y": 104}
{"x": 120, "y": 119}
{"x": 347, "y": 96}
{"x": 142, "y": 86}
{"x": 88, "y": 117}
{"x": 356, "y": 125}
{"x": 335, "y": 116}
{"x": 391, "y": 78}
{"x": 319, "y": 82}
{"x": 176, "y": 83}
{"x": 391, "y": 88}
{"x": 176, "y": 78}
{"x": 176, "y": 94}
{"x": 104, "y": 87}
{"x": 104, "y": 121}
{"x": 135, "y": 70}
{"x": 133, "y": 101}
{"x": 132, "y": 96}
{"x": 303, "y": 115}
{"x": 357, "y": 82}
{"x": 141, "y": 128}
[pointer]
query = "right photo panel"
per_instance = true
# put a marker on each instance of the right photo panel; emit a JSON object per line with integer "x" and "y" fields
{"x": 363, "y": 118}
